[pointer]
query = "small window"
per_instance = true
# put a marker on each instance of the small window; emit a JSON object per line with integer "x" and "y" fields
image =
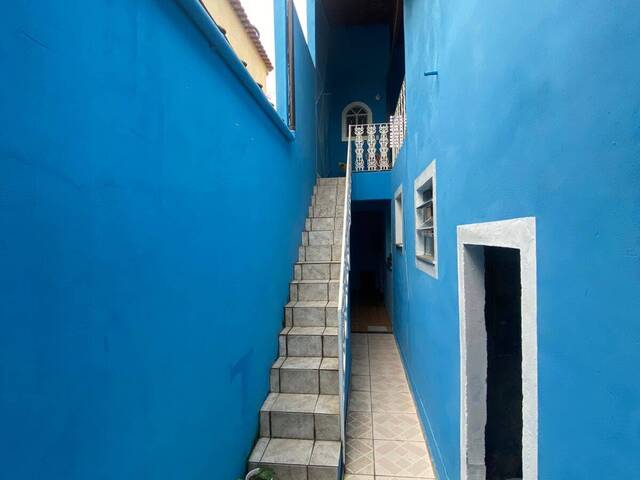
{"x": 356, "y": 113}
{"x": 425, "y": 220}
{"x": 398, "y": 218}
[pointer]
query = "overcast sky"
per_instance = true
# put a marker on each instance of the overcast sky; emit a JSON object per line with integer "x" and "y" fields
{"x": 260, "y": 13}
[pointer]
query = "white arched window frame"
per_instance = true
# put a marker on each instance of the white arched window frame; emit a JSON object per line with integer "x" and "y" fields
{"x": 356, "y": 113}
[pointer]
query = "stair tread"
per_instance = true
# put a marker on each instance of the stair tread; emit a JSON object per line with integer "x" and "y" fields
{"x": 317, "y": 262}
{"x": 309, "y": 304}
{"x": 302, "y": 403}
{"x": 287, "y": 451}
{"x": 306, "y": 363}
{"x": 315, "y": 281}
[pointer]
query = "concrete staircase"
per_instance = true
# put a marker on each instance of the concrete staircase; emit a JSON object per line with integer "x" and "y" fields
{"x": 300, "y": 419}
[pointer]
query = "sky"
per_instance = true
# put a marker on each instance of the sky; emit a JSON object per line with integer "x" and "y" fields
{"x": 260, "y": 13}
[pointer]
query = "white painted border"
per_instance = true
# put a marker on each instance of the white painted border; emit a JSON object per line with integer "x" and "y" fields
{"x": 518, "y": 233}
{"x": 343, "y": 118}
{"x": 398, "y": 227}
{"x": 427, "y": 174}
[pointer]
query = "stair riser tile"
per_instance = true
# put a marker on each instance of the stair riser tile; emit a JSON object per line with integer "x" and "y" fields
{"x": 265, "y": 425}
{"x": 308, "y": 316}
{"x": 330, "y": 346}
{"x": 304, "y": 345}
{"x": 274, "y": 380}
{"x": 320, "y": 271}
{"x": 322, "y": 473}
{"x": 282, "y": 345}
{"x": 292, "y": 425}
{"x": 322, "y": 223}
{"x": 321, "y": 253}
{"x": 329, "y": 382}
{"x": 299, "y": 381}
{"x": 334, "y": 288}
{"x": 320, "y": 237}
{"x": 336, "y": 253}
{"x": 335, "y": 271}
{"x": 327, "y": 426}
{"x": 288, "y": 316}
{"x": 322, "y": 181}
{"x": 331, "y": 318}
{"x": 311, "y": 292}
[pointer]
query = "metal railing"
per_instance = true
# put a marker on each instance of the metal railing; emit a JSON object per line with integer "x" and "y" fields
{"x": 343, "y": 301}
{"x": 375, "y": 146}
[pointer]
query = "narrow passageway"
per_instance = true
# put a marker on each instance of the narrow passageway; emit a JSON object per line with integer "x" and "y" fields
{"x": 384, "y": 436}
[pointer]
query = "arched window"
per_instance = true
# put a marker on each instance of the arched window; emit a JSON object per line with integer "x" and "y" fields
{"x": 356, "y": 113}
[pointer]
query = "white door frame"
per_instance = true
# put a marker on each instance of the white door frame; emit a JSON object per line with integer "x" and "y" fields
{"x": 519, "y": 233}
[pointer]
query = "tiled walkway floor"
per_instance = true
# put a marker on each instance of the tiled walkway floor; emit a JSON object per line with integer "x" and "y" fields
{"x": 384, "y": 438}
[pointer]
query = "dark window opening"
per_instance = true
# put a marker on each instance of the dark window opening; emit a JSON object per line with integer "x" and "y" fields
{"x": 503, "y": 431}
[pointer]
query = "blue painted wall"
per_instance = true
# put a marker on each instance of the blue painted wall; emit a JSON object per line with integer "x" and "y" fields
{"x": 357, "y": 71}
{"x": 150, "y": 213}
{"x": 371, "y": 185}
{"x": 535, "y": 112}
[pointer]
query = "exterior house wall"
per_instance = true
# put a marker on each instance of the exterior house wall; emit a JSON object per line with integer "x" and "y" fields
{"x": 225, "y": 15}
{"x": 356, "y": 72}
{"x": 151, "y": 213}
{"x": 534, "y": 113}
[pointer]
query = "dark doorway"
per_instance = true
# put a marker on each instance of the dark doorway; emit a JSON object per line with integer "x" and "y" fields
{"x": 503, "y": 431}
{"x": 370, "y": 275}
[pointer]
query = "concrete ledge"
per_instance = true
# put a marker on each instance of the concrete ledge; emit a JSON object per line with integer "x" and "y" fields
{"x": 200, "y": 17}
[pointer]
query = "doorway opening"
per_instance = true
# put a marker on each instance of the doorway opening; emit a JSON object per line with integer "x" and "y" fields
{"x": 370, "y": 276}
{"x": 498, "y": 348}
{"x": 503, "y": 431}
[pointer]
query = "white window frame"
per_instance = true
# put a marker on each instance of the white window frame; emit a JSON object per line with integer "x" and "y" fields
{"x": 397, "y": 202}
{"x": 345, "y": 133}
{"x": 428, "y": 176}
{"x": 519, "y": 233}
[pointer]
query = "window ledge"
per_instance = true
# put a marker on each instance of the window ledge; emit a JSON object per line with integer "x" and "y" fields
{"x": 203, "y": 21}
{"x": 426, "y": 259}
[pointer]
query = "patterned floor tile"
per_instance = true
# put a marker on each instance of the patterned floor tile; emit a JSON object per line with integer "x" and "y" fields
{"x": 386, "y": 383}
{"x": 359, "y": 425}
{"x": 359, "y": 456}
{"x": 387, "y": 368}
{"x": 397, "y": 426}
{"x": 360, "y": 366}
{"x": 360, "y": 383}
{"x": 402, "y": 459}
{"x": 392, "y": 402}
{"x": 360, "y": 402}
{"x": 350, "y": 476}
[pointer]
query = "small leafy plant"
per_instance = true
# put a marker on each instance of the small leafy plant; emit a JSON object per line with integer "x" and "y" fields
{"x": 261, "y": 473}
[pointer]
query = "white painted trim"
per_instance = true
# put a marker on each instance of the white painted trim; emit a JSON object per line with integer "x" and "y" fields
{"x": 343, "y": 118}
{"x": 398, "y": 238}
{"x": 427, "y": 174}
{"x": 519, "y": 233}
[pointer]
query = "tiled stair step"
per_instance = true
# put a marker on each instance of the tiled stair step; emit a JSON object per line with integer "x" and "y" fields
{"x": 323, "y": 223}
{"x": 309, "y": 342}
{"x": 319, "y": 253}
{"x": 301, "y": 416}
{"x": 311, "y": 314}
{"x": 313, "y": 290}
{"x": 316, "y": 238}
{"x": 321, "y": 270}
{"x": 305, "y": 375}
{"x": 293, "y": 459}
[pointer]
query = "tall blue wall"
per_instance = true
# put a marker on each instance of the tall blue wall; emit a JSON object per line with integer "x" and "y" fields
{"x": 150, "y": 213}
{"x": 357, "y": 71}
{"x": 535, "y": 112}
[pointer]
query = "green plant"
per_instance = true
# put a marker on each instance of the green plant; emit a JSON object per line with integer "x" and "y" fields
{"x": 263, "y": 473}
